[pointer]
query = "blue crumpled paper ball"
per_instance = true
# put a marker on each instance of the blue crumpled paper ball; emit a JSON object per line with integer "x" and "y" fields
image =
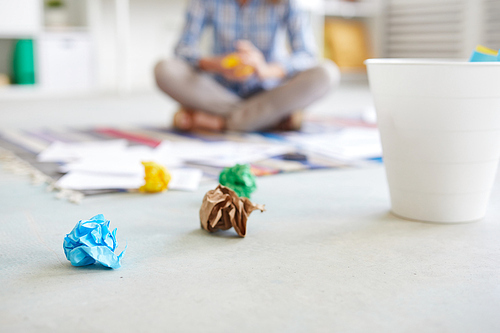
{"x": 91, "y": 241}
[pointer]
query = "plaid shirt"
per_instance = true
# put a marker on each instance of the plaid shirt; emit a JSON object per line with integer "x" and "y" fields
{"x": 258, "y": 21}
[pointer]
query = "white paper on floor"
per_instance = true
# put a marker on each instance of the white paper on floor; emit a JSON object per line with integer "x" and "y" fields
{"x": 115, "y": 157}
{"x": 185, "y": 179}
{"x": 77, "y": 180}
{"x": 69, "y": 152}
{"x": 221, "y": 154}
{"x": 182, "y": 180}
{"x": 347, "y": 144}
{"x": 112, "y": 164}
{"x": 121, "y": 162}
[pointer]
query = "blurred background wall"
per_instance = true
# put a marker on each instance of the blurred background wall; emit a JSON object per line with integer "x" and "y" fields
{"x": 104, "y": 46}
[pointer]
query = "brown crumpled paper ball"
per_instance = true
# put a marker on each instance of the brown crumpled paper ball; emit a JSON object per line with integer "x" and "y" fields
{"x": 223, "y": 209}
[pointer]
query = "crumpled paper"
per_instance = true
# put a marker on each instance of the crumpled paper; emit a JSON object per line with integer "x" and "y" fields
{"x": 91, "y": 241}
{"x": 157, "y": 178}
{"x": 222, "y": 209}
{"x": 233, "y": 61}
{"x": 240, "y": 179}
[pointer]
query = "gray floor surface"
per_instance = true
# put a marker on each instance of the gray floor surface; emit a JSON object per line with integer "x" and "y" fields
{"x": 326, "y": 256}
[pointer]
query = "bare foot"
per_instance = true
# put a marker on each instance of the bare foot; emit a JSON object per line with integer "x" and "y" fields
{"x": 293, "y": 122}
{"x": 188, "y": 120}
{"x": 206, "y": 121}
{"x": 183, "y": 120}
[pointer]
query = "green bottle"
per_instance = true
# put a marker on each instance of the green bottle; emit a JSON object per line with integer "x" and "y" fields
{"x": 23, "y": 64}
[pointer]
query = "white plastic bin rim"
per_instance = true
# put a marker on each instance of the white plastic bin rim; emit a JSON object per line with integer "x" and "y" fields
{"x": 437, "y": 62}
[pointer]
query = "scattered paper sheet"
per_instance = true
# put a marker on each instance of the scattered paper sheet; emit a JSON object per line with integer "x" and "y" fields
{"x": 484, "y": 54}
{"x": 347, "y": 144}
{"x": 68, "y": 152}
{"x": 221, "y": 154}
{"x": 182, "y": 180}
{"x": 113, "y": 165}
{"x": 185, "y": 179}
{"x": 121, "y": 161}
{"x": 77, "y": 180}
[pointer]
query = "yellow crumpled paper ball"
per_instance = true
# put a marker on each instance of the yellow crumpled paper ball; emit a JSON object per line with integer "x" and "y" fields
{"x": 230, "y": 61}
{"x": 157, "y": 177}
{"x": 233, "y": 61}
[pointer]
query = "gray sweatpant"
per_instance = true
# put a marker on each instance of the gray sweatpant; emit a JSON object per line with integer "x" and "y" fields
{"x": 200, "y": 91}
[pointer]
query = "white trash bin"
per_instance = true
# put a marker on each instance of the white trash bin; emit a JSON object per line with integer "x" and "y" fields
{"x": 439, "y": 123}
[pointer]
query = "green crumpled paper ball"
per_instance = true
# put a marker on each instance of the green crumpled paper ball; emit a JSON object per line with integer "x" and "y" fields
{"x": 240, "y": 179}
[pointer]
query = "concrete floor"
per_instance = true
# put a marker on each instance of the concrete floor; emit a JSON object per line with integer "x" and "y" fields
{"x": 21, "y": 110}
{"x": 327, "y": 256}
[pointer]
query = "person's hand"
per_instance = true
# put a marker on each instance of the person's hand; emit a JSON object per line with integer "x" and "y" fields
{"x": 211, "y": 64}
{"x": 237, "y": 74}
{"x": 215, "y": 65}
{"x": 250, "y": 55}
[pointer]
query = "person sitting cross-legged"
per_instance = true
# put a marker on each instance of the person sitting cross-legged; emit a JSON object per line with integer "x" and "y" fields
{"x": 252, "y": 81}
